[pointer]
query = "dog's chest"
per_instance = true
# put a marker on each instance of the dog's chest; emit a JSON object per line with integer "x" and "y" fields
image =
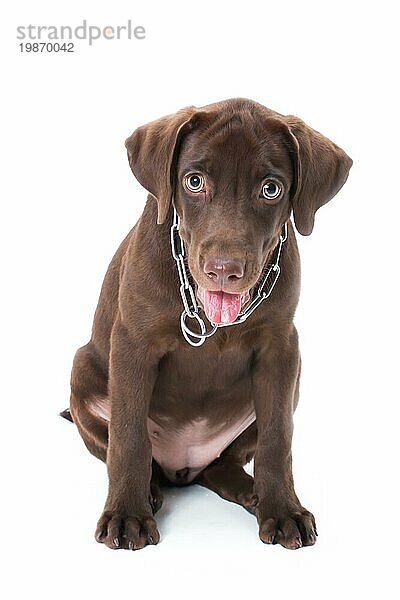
{"x": 202, "y": 402}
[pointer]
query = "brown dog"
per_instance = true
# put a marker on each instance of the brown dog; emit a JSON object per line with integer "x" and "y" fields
{"x": 146, "y": 401}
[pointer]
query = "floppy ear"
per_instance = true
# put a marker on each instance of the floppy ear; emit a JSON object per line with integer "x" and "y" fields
{"x": 152, "y": 153}
{"x": 321, "y": 170}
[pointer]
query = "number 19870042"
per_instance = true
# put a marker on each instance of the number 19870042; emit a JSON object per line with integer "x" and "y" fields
{"x": 46, "y": 47}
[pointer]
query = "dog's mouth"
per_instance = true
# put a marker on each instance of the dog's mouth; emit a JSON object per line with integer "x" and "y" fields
{"x": 221, "y": 307}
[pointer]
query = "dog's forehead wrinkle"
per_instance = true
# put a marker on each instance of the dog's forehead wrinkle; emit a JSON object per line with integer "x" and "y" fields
{"x": 233, "y": 160}
{"x": 237, "y": 145}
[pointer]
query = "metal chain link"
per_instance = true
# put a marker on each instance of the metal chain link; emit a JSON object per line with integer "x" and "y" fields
{"x": 190, "y": 307}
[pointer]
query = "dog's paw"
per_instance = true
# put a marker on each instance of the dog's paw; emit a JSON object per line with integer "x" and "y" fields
{"x": 289, "y": 528}
{"x": 119, "y": 530}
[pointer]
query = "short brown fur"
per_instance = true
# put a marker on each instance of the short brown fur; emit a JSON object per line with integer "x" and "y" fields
{"x": 137, "y": 362}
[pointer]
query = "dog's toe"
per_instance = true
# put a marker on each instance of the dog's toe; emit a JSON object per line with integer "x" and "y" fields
{"x": 121, "y": 531}
{"x": 291, "y": 529}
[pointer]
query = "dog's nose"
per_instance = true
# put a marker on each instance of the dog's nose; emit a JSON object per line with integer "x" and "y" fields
{"x": 222, "y": 270}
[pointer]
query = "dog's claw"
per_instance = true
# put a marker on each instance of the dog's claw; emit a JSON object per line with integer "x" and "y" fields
{"x": 116, "y": 542}
{"x": 269, "y": 540}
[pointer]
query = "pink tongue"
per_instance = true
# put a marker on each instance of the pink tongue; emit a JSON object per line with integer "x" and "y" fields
{"x": 221, "y": 307}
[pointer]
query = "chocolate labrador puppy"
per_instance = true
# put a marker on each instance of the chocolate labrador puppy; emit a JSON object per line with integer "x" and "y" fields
{"x": 193, "y": 365}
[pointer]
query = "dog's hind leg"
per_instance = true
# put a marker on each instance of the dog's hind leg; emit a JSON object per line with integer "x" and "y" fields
{"x": 89, "y": 402}
{"x": 226, "y": 476}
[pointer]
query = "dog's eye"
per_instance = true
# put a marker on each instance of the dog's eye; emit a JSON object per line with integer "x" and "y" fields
{"x": 194, "y": 182}
{"x": 271, "y": 189}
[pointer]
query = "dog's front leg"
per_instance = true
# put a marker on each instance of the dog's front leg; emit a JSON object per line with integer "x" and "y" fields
{"x": 127, "y": 520}
{"x": 280, "y": 516}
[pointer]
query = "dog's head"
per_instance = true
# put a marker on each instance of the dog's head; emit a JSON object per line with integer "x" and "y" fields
{"x": 235, "y": 171}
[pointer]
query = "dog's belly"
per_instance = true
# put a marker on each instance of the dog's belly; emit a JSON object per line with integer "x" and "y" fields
{"x": 184, "y": 451}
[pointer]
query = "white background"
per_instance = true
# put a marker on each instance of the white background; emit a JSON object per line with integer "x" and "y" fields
{"x": 68, "y": 198}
